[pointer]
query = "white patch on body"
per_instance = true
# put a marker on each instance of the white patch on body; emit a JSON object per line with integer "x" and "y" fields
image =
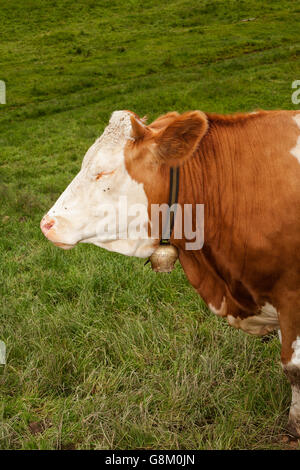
{"x": 280, "y": 336}
{"x": 260, "y": 324}
{"x": 297, "y": 119}
{"x": 296, "y": 150}
{"x": 219, "y": 311}
{"x": 292, "y": 372}
{"x": 295, "y": 360}
{"x": 294, "y": 415}
{"x": 88, "y": 205}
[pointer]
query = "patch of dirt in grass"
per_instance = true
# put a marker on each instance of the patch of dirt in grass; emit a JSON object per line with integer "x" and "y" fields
{"x": 288, "y": 442}
{"x": 68, "y": 446}
{"x": 36, "y": 427}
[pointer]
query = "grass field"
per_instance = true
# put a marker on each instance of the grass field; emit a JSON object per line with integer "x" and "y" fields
{"x": 101, "y": 352}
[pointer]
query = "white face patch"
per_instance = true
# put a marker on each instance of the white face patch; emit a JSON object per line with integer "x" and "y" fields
{"x": 260, "y": 324}
{"x": 296, "y": 150}
{"x": 103, "y": 205}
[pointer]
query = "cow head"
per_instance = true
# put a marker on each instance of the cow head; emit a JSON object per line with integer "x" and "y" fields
{"x": 122, "y": 174}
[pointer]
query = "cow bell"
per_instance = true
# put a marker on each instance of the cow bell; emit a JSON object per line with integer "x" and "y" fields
{"x": 164, "y": 258}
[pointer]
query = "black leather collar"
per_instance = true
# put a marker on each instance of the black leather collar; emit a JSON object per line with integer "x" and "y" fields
{"x": 173, "y": 199}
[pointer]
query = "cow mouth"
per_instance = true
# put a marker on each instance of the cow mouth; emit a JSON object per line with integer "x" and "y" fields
{"x": 49, "y": 232}
{"x": 64, "y": 246}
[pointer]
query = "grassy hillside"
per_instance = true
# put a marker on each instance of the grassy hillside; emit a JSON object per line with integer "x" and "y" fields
{"x": 103, "y": 353}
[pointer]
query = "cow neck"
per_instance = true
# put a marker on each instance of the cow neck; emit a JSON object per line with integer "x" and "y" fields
{"x": 173, "y": 200}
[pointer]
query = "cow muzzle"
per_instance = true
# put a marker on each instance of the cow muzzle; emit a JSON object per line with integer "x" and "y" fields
{"x": 49, "y": 228}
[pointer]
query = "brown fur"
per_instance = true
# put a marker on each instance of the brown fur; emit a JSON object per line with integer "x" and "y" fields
{"x": 241, "y": 169}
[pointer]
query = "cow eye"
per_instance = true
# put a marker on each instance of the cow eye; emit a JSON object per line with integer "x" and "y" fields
{"x": 104, "y": 173}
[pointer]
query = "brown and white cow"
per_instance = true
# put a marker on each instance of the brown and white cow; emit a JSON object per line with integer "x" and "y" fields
{"x": 245, "y": 169}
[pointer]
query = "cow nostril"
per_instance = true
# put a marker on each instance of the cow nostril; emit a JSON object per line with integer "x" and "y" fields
{"x": 46, "y": 225}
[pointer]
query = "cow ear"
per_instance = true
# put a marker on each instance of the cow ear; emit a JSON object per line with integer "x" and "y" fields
{"x": 179, "y": 139}
{"x": 138, "y": 130}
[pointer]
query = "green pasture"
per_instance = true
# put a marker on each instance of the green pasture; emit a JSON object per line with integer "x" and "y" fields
{"x": 101, "y": 352}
